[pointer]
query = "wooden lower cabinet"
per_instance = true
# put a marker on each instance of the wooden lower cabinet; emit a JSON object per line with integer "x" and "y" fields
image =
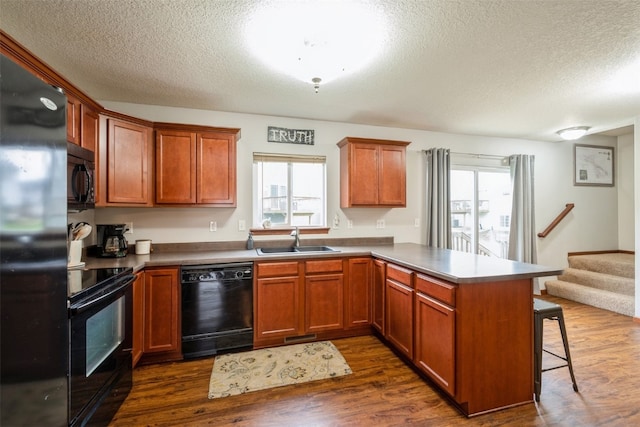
{"x": 435, "y": 341}
{"x": 358, "y": 292}
{"x": 162, "y": 330}
{"x": 379, "y": 273}
{"x": 305, "y": 300}
{"x": 324, "y": 296}
{"x": 138, "y": 318}
{"x": 277, "y": 301}
{"x": 399, "y": 309}
{"x": 474, "y": 340}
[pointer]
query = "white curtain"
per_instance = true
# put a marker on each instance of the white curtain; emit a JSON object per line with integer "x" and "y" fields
{"x": 438, "y": 206}
{"x": 522, "y": 235}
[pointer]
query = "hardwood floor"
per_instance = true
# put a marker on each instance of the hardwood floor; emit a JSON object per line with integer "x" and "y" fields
{"x": 383, "y": 391}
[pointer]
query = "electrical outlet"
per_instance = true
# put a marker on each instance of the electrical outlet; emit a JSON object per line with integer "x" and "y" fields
{"x": 129, "y": 227}
{"x": 213, "y": 226}
{"x": 380, "y": 223}
{"x": 336, "y": 221}
{"x": 416, "y": 222}
{"x": 241, "y": 225}
{"x": 349, "y": 223}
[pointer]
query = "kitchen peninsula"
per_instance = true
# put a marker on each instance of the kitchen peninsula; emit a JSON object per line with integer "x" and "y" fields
{"x": 463, "y": 321}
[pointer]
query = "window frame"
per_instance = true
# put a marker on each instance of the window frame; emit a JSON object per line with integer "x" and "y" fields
{"x": 257, "y": 196}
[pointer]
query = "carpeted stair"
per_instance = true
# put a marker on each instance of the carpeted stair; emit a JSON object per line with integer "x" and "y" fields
{"x": 600, "y": 280}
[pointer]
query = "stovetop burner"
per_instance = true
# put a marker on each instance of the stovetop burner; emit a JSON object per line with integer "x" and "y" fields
{"x": 84, "y": 282}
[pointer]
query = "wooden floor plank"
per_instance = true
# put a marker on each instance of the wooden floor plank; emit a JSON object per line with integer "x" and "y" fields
{"x": 383, "y": 391}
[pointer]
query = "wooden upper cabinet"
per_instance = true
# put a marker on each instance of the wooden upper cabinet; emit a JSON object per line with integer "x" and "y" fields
{"x": 372, "y": 172}
{"x": 73, "y": 120}
{"x": 175, "y": 161}
{"x": 89, "y": 128}
{"x": 125, "y": 164}
{"x": 196, "y": 168}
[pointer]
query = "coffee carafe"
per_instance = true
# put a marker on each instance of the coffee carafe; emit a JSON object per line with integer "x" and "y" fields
{"x": 111, "y": 240}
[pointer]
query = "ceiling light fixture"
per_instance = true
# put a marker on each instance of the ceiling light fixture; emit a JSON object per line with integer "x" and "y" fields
{"x": 576, "y": 132}
{"x": 307, "y": 39}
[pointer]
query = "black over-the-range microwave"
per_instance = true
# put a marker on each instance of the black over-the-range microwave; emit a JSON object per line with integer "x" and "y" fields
{"x": 80, "y": 178}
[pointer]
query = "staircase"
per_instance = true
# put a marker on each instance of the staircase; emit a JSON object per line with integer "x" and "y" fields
{"x": 600, "y": 280}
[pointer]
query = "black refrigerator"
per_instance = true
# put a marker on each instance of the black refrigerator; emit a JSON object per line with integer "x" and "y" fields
{"x": 33, "y": 251}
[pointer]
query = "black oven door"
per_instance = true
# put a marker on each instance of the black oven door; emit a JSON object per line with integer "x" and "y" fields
{"x": 100, "y": 371}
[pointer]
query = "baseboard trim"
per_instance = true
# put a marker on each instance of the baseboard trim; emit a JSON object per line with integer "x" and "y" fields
{"x": 616, "y": 251}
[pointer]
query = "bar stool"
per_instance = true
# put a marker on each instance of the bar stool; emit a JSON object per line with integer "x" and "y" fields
{"x": 547, "y": 310}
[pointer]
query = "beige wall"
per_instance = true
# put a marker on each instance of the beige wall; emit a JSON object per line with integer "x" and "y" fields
{"x": 596, "y": 207}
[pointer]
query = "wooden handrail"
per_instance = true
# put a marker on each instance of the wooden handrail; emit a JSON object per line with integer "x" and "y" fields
{"x": 556, "y": 221}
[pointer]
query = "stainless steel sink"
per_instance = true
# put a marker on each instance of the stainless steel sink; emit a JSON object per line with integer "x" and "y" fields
{"x": 291, "y": 249}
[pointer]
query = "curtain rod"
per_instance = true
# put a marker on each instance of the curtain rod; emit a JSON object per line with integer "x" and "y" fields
{"x": 478, "y": 156}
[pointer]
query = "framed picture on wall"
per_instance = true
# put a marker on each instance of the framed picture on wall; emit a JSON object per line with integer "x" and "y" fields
{"x": 593, "y": 165}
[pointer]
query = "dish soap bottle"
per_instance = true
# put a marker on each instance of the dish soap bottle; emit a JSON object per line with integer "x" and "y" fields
{"x": 250, "y": 241}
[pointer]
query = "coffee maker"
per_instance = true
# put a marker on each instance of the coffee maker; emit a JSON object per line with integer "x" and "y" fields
{"x": 111, "y": 240}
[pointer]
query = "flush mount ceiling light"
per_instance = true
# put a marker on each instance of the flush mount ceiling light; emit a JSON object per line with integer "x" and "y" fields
{"x": 573, "y": 133}
{"x": 316, "y": 41}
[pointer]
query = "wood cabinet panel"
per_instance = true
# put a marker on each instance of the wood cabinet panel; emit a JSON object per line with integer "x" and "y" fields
{"x": 324, "y": 302}
{"x": 138, "y": 318}
{"x": 161, "y": 310}
{"x": 399, "y": 316}
{"x": 277, "y": 269}
{"x": 378, "y": 299}
{"x": 196, "y": 168}
{"x": 90, "y": 125}
{"x": 277, "y": 309}
{"x": 323, "y": 266}
{"x": 435, "y": 288}
{"x": 127, "y": 163}
{"x": 216, "y": 169}
{"x": 73, "y": 120}
{"x": 435, "y": 341}
{"x": 175, "y": 161}
{"x": 358, "y": 292}
{"x": 372, "y": 172}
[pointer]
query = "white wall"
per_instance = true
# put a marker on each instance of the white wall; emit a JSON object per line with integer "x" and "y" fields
{"x": 592, "y": 225}
{"x": 624, "y": 183}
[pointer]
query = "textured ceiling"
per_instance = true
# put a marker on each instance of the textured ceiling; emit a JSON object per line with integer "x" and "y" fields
{"x": 521, "y": 69}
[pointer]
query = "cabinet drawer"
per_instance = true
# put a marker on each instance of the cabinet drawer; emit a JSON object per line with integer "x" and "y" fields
{"x": 323, "y": 266}
{"x": 442, "y": 291}
{"x": 400, "y": 275}
{"x": 277, "y": 269}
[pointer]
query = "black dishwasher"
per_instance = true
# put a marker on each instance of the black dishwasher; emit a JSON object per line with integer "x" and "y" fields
{"x": 217, "y": 308}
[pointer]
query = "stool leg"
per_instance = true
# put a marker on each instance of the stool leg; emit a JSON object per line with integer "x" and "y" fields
{"x": 537, "y": 355}
{"x": 565, "y": 341}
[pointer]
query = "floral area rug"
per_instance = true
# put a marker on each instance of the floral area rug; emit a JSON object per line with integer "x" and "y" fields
{"x": 238, "y": 373}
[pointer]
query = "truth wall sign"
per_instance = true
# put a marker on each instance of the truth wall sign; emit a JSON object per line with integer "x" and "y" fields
{"x": 290, "y": 136}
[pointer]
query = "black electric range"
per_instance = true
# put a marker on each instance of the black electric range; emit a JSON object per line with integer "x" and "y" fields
{"x": 86, "y": 282}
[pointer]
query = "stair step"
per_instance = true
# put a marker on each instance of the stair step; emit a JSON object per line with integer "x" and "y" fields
{"x": 607, "y": 282}
{"x": 618, "y": 303}
{"x": 617, "y": 264}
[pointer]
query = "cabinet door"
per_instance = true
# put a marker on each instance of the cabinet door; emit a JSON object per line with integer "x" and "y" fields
{"x": 359, "y": 292}
{"x": 324, "y": 302}
{"x": 73, "y": 120}
{"x": 392, "y": 176}
{"x": 128, "y": 151}
{"x": 399, "y": 317}
{"x": 378, "y": 290}
{"x": 216, "y": 169}
{"x": 161, "y": 310}
{"x": 175, "y": 167}
{"x": 435, "y": 341}
{"x": 277, "y": 307}
{"x": 89, "y": 128}
{"x": 363, "y": 180}
{"x": 138, "y": 318}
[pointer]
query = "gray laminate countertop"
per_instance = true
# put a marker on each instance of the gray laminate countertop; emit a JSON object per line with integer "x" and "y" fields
{"x": 453, "y": 266}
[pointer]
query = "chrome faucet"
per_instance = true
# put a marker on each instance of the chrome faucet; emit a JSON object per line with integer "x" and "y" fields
{"x": 296, "y": 234}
